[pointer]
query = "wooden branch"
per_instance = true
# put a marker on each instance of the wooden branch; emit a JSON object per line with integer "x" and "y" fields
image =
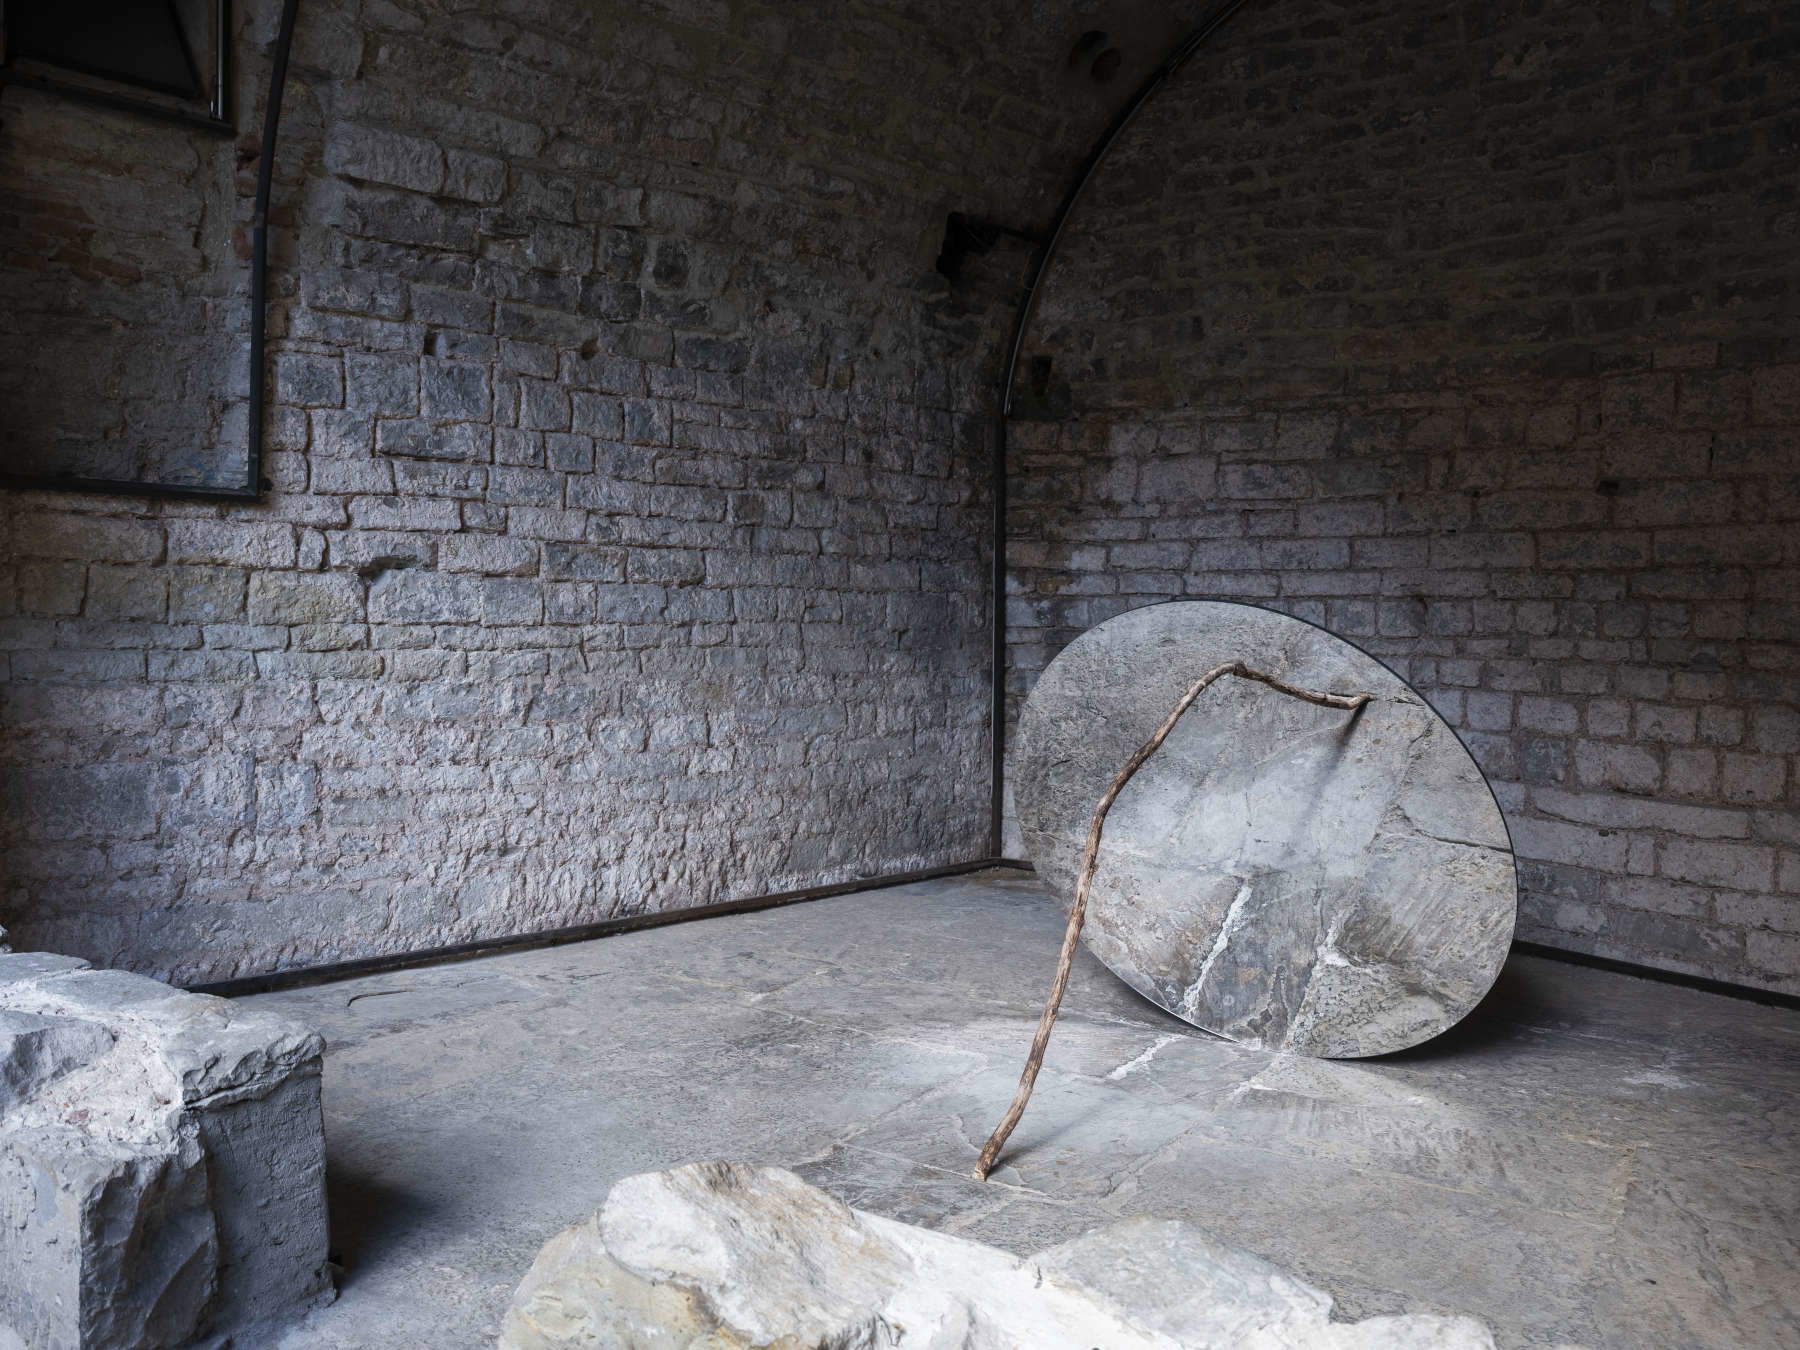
{"x": 1090, "y": 861}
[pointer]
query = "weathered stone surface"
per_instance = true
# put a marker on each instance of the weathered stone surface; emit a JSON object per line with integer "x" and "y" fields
{"x": 161, "y": 1162}
{"x": 719, "y": 1254}
{"x": 1284, "y": 874}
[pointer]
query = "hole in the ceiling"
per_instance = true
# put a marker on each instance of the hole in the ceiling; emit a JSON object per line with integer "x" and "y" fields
{"x": 964, "y": 236}
{"x": 1086, "y": 47}
{"x": 1106, "y": 65}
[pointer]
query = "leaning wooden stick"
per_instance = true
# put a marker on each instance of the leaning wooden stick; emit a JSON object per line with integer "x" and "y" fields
{"x": 1090, "y": 860}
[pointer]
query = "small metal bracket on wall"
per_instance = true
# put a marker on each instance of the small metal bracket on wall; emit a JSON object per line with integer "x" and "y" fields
{"x": 254, "y": 484}
{"x": 1176, "y": 59}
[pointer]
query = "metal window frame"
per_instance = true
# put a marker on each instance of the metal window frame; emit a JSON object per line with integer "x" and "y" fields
{"x": 108, "y": 92}
{"x": 217, "y": 121}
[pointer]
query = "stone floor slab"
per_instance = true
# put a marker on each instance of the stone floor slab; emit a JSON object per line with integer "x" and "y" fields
{"x": 1581, "y": 1134}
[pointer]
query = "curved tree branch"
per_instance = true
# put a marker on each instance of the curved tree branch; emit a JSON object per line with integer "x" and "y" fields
{"x": 1090, "y": 860}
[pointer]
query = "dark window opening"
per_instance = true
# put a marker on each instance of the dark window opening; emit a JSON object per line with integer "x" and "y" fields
{"x": 164, "y": 57}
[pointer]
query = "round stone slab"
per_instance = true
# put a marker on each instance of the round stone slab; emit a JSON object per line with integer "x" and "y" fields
{"x": 1297, "y": 877}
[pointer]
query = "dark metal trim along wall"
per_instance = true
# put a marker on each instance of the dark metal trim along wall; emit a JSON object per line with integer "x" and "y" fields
{"x": 1046, "y": 254}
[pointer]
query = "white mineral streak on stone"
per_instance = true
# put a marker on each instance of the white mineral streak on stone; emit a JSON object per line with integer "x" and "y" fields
{"x": 161, "y": 1161}
{"x": 1223, "y": 940}
{"x": 1286, "y": 875}
{"x": 1326, "y": 1081}
{"x": 721, "y": 1255}
{"x": 1143, "y": 1057}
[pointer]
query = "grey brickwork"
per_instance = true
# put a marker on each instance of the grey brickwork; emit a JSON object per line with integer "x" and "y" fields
{"x": 1470, "y": 333}
{"x": 123, "y": 296}
{"x": 627, "y": 542}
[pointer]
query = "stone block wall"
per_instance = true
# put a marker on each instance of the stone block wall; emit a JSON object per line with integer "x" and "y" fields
{"x": 124, "y": 264}
{"x": 1469, "y": 332}
{"x": 627, "y": 536}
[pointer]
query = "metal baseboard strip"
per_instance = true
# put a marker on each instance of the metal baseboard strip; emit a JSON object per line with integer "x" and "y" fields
{"x": 1748, "y": 992}
{"x": 303, "y": 976}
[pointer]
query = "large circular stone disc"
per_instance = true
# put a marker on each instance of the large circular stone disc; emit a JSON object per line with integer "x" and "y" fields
{"x": 1286, "y": 875}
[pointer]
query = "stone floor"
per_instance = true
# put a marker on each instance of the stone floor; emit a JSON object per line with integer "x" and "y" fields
{"x": 1589, "y": 1158}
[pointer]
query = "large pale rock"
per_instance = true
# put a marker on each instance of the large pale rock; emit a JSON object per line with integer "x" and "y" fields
{"x": 161, "y": 1162}
{"x": 1287, "y": 875}
{"x": 719, "y": 1255}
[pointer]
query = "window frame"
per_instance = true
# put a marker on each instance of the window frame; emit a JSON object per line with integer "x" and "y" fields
{"x": 212, "y": 113}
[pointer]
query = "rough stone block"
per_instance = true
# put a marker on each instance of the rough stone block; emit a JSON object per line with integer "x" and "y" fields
{"x": 422, "y": 440}
{"x": 352, "y": 291}
{"x": 51, "y": 587}
{"x": 494, "y": 555}
{"x": 1742, "y": 867}
{"x": 404, "y": 513}
{"x": 242, "y": 542}
{"x": 90, "y": 801}
{"x": 88, "y": 538}
{"x": 424, "y": 597}
{"x": 301, "y": 597}
{"x": 161, "y": 1163}
{"x": 454, "y": 391}
{"x": 128, "y": 593}
{"x": 381, "y": 383}
{"x": 506, "y": 602}
{"x": 377, "y": 156}
{"x": 725, "y": 1254}
{"x": 474, "y": 177}
{"x": 306, "y": 381}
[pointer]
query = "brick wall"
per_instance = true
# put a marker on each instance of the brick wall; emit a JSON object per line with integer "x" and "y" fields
{"x": 1470, "y": 333}
{"x": 626, "y": 548}
{"x": 123, "y": 296}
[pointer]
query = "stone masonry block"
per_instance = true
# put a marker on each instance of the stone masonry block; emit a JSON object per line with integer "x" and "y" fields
{"x": 306, "y": 381}
{"x": 403, "y": 513}
{"x": 1741, "y": 867}
{"x": 494, "y": 555}
{"x": 410, "y": 596}
{"x": 388, "y": 157}
{"x": 51, "y": 587}
{"x": 382, "y": 383}
{"x": 454, "y": 391}
{"x": 1775, "y": 396}
{"x": 127, "y": 593}
{"x": 474, "y": 177}
{"x": 423, "y": 440}
{"x": 509, "y": 601}
{"x": 1777, "y": 730}
{"x": 97, "y": 801}
{"x": 88, "y": 538}
{"x": 161, "y": 1163}
{"x": 242, "y": 542}
{"x": 305, "y": 598}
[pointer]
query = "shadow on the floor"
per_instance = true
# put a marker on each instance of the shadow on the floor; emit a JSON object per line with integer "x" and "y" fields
{"x": 367, "y": 1215}
{"x": 1517, "y": 996}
